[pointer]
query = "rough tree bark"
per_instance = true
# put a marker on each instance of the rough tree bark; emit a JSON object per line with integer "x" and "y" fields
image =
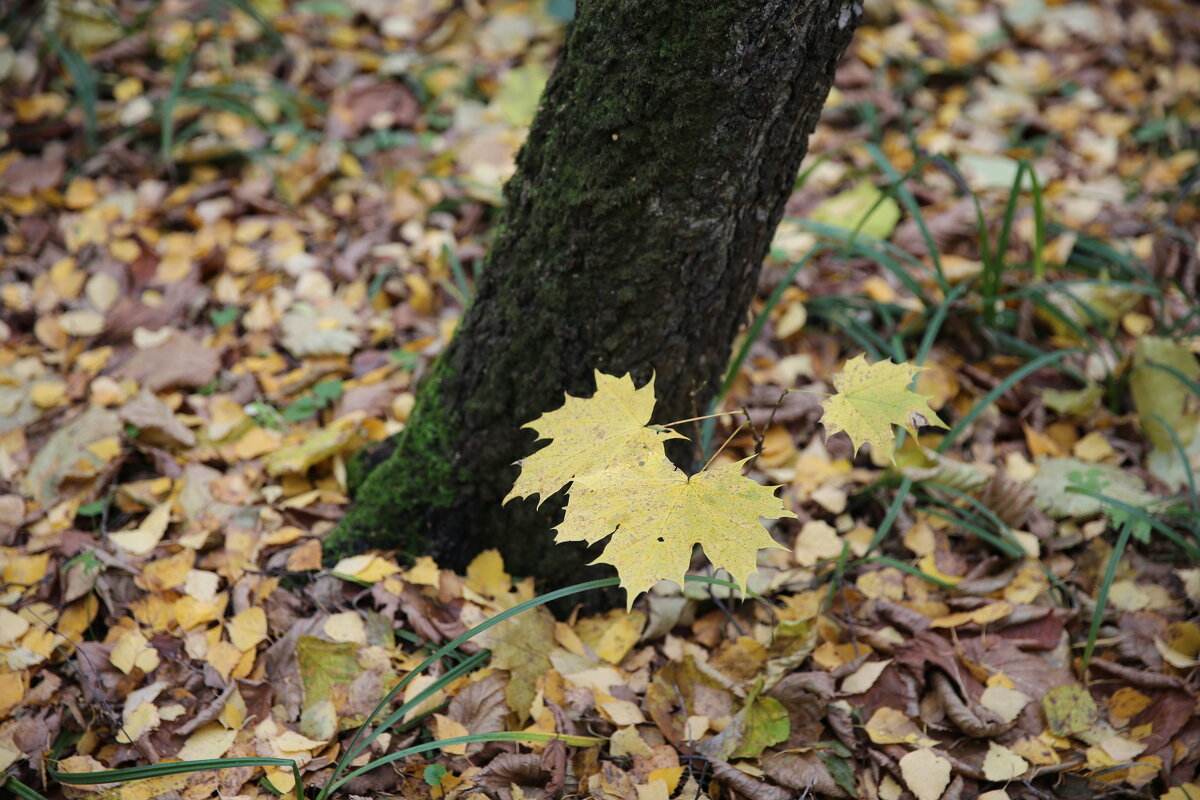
{"x": 644, "y": 201}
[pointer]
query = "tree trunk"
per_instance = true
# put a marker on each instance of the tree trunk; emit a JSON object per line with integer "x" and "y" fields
{"x": 656, "y": 169}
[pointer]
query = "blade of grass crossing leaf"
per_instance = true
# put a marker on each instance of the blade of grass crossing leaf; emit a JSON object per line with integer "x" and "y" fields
{"x": 1106, "y": 583}
{"x": 1181, "y": 451}
{"x": 460, "y": 275}
{"x": 889, "y": 518}
{"x": 1023, "y": 348}
{"x": 728, "y": 584}
{"x": 174, "y": 768}
{"x": 338, "y": 779}
{"x": 1174, "y": 372}
{"x": 996, "y": 393}
{"x": 936, "y": 321}
{"x": 1008, "y": 549}
{"x": 905, "y": 567}
{"x": 501, "y": 736}
{"x": 886, "y": 255}
{"x": 1158, "y": 525}
{"x": 362, "y": 731}
{"x": 991, "y": 516}
{"x": 442, "y": 682}
{"x": 910, "y": 204}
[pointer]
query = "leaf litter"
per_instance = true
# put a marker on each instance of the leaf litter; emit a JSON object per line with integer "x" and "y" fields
{"x": 174, "y": 299}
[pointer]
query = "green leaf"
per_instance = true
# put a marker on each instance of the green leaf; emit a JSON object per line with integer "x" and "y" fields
{"x": 862, "y": 208}
{"x": 434, "y": 773}
{"x": 326, "y": 670}
{"x": 1156, "y": 391}
{"x": 223, "y": 317}
{"x": 94, "y": 508}
{"x": 766, "y": 724}
{"x": 841, "y": 770}
{"x": 520, "y": 92}
{"x": 1070, "y": 710}
{"x": 302, "y": 409}
{"x": 328, "y": 391}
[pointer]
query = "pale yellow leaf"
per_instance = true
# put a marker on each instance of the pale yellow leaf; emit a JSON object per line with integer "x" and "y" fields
{"x": 142, "y": 540}
{"x": 1002, "y": 764}
{"x": 1005, "y": 702}
{"x": 626, "y": 741}
{"x": 818, "y": 541}
{"x": 248, "y": 628}
{"x": 926, "y": 773}
{"x": 133, "y": 650}
{"x": 889, "y": 726}
{"x": 591, "y": 434}
{"x": 864, "y": 677}
{"x": 446, "y": 728}
{"x": 346, "y": 627}
{"x": 12, "y": 626}
{"x": 871, "y": 399}
{"x": 210, "y": 741}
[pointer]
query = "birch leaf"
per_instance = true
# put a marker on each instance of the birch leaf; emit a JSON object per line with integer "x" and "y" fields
{"x": 871, "y": 399}
{"x": 591, "y": 434}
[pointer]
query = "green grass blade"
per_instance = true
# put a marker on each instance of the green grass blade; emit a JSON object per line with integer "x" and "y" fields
{"x": 86, "y": 89}
{"x": 174, "y": 768}
{"x": 1174, "y": 372}
{"x": 167, "y": 109}
{"x": 1008, "y": 549}
{"x": 1189, "y": 475}
{"x": 460, "y": 276}
{"x": 21, "y": 790}
{"x": 889, "y": 518}
{"x": 995, "y": 394}
{"x": 501, "y": 736}
{"x": 445, "y": 649}
{"x": 905, "y": 567}
{"x": 1102, "y": 596}
{"x": 911, "y": 206}
{"x": 752, "y": 334}
{"x": 1039, "y": 227}
{"x": 1141, "y": 514}
{"x": 993, "y": 268}
{"x": 449, "y": 677}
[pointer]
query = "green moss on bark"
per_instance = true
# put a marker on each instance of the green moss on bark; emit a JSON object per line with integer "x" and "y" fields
{"x": 395, "y": 502}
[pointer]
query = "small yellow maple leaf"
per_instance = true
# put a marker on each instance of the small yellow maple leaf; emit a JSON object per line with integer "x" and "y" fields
{"x": 591, "y": 434}
{"x": 656, "y": 514}
{"x": 871, "y": 399}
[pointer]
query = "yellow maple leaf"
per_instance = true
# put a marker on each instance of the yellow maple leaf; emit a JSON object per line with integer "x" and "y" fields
{"x": 590, "y": 434}
{"x": 871, "y": 399}
{"x": 656, "y": 514}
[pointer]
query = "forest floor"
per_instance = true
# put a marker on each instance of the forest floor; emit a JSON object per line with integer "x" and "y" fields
{"x": 202, "y": 320}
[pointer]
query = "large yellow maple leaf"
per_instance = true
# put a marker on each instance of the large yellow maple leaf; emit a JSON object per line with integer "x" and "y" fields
{"x": 873, "y": 397}
{"x": 657, "y": 514}
{"x": 590, "y": 434}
